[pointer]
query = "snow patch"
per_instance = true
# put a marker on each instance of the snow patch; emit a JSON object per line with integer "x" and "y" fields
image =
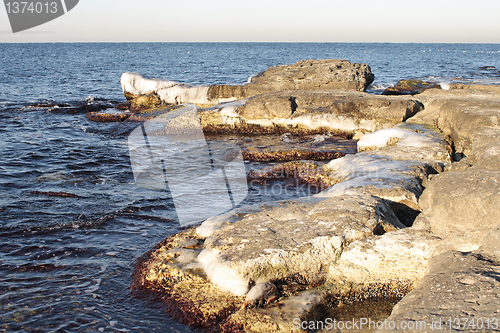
{"x": 445, "y": 86}
{"x": 221, "y": 274}
{"x": 170, "y": 92}
{"x": 367, "y": 169}
{"x": 406, "y": 138}
{"x": 180, "y": 94}
{"x": 136, "y": 84}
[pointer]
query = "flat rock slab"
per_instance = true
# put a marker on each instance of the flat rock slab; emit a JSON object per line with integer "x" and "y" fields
{"x": 471, "y": 115}
{"x": 306, "y": 112}
{"x": 300, "y": 238}
{"x": 170, "y": 273}
{"x": 459, "y": 289}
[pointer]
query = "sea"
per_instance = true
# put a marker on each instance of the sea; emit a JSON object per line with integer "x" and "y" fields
{"x": 66, "y": 262}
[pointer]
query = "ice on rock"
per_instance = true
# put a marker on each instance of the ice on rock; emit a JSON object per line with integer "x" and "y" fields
{"x": 366, "y": 169}
{"x": 136, "y": 84}
{"x": 394, "y": 136}
{"x": 222, "y": 275}
{"x": 170, "y": 92}
{"x": 185, "y": 94}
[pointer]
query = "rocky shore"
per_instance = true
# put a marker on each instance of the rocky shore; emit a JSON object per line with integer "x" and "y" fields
{"x": 412, "y": 217}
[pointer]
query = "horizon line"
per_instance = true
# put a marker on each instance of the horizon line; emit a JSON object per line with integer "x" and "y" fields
{"x": 235, "y": 42}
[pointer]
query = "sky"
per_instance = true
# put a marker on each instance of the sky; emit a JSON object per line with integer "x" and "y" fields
{"x": 422, "y": 21}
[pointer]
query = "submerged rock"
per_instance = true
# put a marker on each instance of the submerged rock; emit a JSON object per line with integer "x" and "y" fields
{"x": 410, "y": 87}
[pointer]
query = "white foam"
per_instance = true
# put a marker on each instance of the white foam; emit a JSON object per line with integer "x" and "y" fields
{"x": 221, "y": 274}
{"x": 445, "y": 86}
{"x": 136, "y": 84}
{"x": 381, "y": 139}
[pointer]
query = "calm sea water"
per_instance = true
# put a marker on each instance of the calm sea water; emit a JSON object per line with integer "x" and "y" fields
{"x": 65, "y": 263}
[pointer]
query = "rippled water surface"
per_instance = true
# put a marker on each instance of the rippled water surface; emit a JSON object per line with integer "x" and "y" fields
{"x": 66, "y": 262}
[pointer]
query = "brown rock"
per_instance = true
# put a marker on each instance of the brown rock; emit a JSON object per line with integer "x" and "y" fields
{"x": 410, "y": 87}
{"x": 144, "y": 102}
{"x": 307, "y": 112}
{"x": 462, "y": 286}
{"x": 463, "y": 207}
{"x": 103, "y": 117}
{"x": 312, "y": 75}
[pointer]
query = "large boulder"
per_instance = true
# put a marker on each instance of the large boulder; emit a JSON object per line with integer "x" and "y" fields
{"x": 462, "y": 207}
{"x": 312, "y": 75}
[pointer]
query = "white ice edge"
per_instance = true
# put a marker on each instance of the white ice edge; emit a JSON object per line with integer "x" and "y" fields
{"x": 381, "y": 138}
{"x": 220, "y": 274}
{"x": 170, "y": 92}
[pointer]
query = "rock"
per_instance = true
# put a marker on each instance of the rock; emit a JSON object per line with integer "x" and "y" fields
{"x": 299, "y": 237}
{"x": 107, "y": 117}
{"x": 312, "y": 75}
{"x": 261, "y": 292}
{"x": 487, "y": 67}
{"x": 392, "y": 259}
{"x": 303, "y": 75}
{"x": 191, "y": 298}
{"x": 490, "y": 245}
{"x": 144, "y": 102}
{"x": 485, "y": 157}
{"x": 184, "y": 288}
{"x": 123, "y": 106}
{"x": 470, "y": 116}
{"x": 309, "y": 112}
{"x": 271, "y": 148}
{"x": 396, "y": 173}
{"x": 462, "y": 286}
{"x": 410, "y": 87}
{"x": 463, "y": 207}
{"x": 313, "y": 174}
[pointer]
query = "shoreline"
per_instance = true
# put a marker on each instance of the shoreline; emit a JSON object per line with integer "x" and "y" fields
{"x": 390, "y": 178}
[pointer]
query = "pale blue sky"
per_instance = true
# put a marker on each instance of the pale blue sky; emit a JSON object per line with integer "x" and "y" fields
{"x": 269, "y": 20}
